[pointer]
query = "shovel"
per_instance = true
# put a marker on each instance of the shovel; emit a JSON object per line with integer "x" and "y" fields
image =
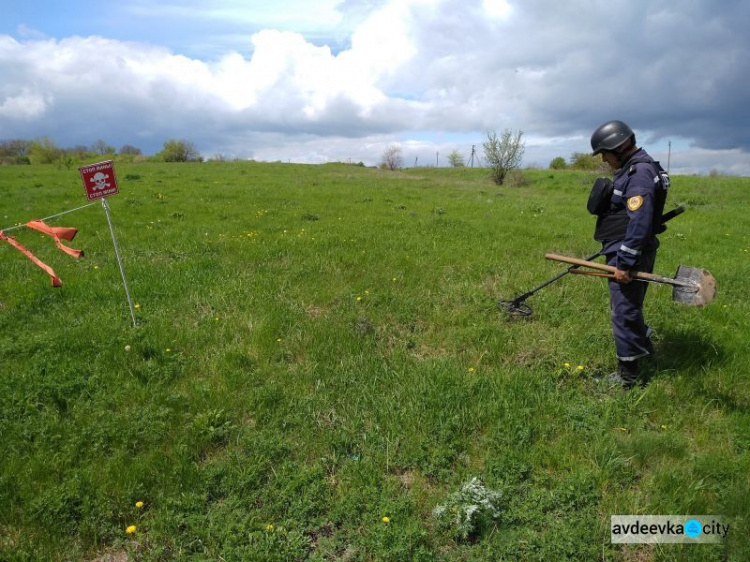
{"x": 691, "y": 285}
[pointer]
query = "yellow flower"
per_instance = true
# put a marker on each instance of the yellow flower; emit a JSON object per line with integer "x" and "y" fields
{"x": 139, "y": 505}
{"x": 472, "y": 369}
{"x": 269, "y": 528}
{"x": 386, "y": 519}
{"x": 130, "y": 530}
{"x": 137, "y": 306}
{"x": 359, "y": 298}
{"x": 567, "y": 365}
{"x": 580, "y": 367}
{"x": 167, "y": 350}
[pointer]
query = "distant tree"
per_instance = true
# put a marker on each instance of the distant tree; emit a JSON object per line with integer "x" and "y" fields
{"x": 78, "y": 151}
{"x": 558, "y": 163}
{"x": 15, "y": 147}
{"x": 585, "y": 161}
{"x": 44, "y": 151}
{"x": 101, "y": 148}
{"x": 392, "y": 158}
{"x": 180, "y": 151}
{"x": 456, "y": 160}
{"x": 503, "y": 153}
{"x": 129, "y": 150}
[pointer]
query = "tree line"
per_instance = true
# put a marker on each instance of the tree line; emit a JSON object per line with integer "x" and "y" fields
{"x": 503, "y": 154}
{"x": 44, "y": 150}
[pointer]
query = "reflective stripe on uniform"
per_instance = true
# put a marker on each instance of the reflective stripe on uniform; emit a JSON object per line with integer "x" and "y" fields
{"x": 630, "y": 251}
{"x": 634, "y": 358}
{"x": 617, "y": 192}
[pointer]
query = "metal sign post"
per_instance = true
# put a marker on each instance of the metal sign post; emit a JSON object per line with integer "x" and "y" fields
{"x": 119, "y": 260}
{"x": 100, "y": 181}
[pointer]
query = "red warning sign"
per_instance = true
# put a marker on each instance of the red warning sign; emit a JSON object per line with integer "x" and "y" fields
{"x": 99, "y": 180}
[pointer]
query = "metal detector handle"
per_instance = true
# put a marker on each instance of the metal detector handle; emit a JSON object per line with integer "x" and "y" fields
{"x": 666, "y": 217}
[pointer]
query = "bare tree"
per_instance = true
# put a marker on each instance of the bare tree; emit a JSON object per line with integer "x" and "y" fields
{"x": 130, "y": 150}
{"x": 392, "y": 158}
{"x": 503, "y": 153}
{"x": 101, "y": 148}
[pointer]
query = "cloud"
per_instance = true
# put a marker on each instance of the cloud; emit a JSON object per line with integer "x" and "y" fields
{"x": 408, "y": 69}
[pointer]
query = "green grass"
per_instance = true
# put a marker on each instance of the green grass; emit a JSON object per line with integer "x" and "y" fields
{"x": 319, "y": 347}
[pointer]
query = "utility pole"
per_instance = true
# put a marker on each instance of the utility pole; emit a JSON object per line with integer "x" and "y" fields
{"x": 437, "y": 159}
{"x": 471, "y": 160}
{"x": 669, "y": 156}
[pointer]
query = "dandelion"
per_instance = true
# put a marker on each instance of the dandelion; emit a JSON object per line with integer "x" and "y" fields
{"x": 127, "y": 348}
{"x": 168, "y": 350}
{"x": 580, "y": 367}
{"x": 394, "y": 279}
{"x": 359, "y": 298}
{"x": 137, "y": 306}
{"x": 567, "y": 365}
{"x": 367, "y": 292}
{"x": 278, "y": 340}
{"x": 130, "y": 530}
{"x": 472, "y": 369}
{"x": 96, "y": 267}
{"x": 664, "y": 427}
{"x": 386, "y": 519}
{"x": 269, "y": 528}
{"x": 139, "y": 504}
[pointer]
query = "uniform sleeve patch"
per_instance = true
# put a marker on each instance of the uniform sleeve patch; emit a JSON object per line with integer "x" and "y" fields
{"x": 634, "y": 203}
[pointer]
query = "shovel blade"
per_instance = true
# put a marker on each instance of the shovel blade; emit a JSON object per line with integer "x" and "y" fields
{"x": 699, "y": 288}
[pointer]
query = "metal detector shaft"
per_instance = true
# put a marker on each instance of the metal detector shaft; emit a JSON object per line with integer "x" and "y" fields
{"x": 555, "y": 278}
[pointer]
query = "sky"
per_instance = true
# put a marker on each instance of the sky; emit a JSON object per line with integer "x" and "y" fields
{"x": 316, "y": 81}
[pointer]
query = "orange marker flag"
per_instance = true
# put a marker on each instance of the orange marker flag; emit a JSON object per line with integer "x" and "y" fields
{"x": 57, "y": 232}
{"x": 12, "y": 241}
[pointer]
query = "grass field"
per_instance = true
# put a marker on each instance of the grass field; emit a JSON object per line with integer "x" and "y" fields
{"x": 319, "y": 364}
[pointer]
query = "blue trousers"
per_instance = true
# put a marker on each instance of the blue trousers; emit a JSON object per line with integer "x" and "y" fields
{"x": 626, "y": 304}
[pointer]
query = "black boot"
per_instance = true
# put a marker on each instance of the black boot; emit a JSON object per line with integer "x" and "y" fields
{"x": 627, "y": 374}
{"x": 650, "y": 346}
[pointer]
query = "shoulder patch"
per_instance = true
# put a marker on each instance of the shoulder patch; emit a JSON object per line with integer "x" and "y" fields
{"x": 634, "y": 203}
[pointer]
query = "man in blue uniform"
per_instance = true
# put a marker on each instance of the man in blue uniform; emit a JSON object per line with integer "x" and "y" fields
{"x": 627, "y": 230}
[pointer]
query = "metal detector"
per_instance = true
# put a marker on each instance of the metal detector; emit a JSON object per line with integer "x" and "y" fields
{"x": 517, "y": 308}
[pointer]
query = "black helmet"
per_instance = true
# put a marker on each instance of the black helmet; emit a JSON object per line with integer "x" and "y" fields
{"x": 610, "y": 135}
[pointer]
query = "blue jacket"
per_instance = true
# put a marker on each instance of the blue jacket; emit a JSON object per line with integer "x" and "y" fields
{"x": 640, "y": 190}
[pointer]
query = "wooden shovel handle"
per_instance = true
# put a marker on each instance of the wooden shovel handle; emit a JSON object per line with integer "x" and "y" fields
{"x": 593, "y": 273}
{"x": 610, "y": 269}
{"x": 584, "y": 263}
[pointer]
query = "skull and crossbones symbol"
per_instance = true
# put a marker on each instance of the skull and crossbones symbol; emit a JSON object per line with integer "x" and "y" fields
{"x": 100, "y": 181}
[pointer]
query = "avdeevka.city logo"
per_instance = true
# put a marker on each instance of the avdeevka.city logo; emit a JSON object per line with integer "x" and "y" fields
{"x": 693, "y": 528}
{"x": 699, "y": 529}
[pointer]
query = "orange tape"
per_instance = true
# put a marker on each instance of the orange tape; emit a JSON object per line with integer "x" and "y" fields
{"x": 57, "y": 232}
{"x": 12, "y": 241}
